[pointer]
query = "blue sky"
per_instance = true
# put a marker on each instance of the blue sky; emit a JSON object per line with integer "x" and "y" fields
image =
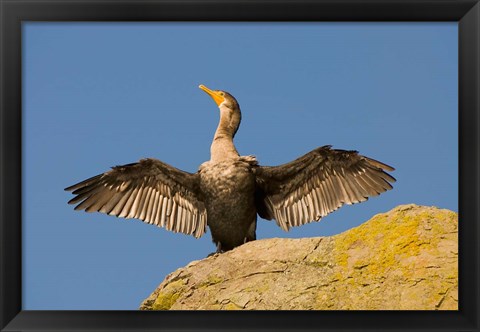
{"x": 96, "y": 95}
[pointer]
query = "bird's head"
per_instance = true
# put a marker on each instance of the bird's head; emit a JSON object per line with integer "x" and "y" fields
{"x": 230, "y": 115}
{"x": 221, "y": 98}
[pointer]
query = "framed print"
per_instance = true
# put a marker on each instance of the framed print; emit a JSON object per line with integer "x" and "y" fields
{"x": 370, "y": 96}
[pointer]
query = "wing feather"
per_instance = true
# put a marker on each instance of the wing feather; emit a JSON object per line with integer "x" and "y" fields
{"x": 149, "y": 190}
{"x": 147, "y": 206}
{"x": 163, "y": 214}
{"x": 157, "y": 200}
{"x": 152, "y": 206}
{"x": 117, "y": 209}
{"x": 128, "y": 204}
{"x": 316, "y": 205}
{"x": 172, "y": 216}
{"x": 179, "y": 224}
{"x": 317, "y": 184}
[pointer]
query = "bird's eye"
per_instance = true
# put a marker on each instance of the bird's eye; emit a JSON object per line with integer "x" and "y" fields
{"x": 222, "y": 94}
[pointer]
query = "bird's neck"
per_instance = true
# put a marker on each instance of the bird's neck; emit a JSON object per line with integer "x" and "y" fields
{"x": 222, "y": 146}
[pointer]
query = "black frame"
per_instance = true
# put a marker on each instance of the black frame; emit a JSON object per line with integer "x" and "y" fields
{"x": 13, "y": 12}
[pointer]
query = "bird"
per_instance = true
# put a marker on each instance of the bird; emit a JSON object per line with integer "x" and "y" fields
{"x": 228, "y": 191}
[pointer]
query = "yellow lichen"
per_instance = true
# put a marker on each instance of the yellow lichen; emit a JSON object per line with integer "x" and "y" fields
{"x": 261, "y": 288}
{"x": 232, "y": 306}
{"x": 399, "y": 239}
{"x": 165, "y": 301}
{"x": 211, "y": 280}
{"x": 168, "y": 296}
{"x": 316, "y": 262}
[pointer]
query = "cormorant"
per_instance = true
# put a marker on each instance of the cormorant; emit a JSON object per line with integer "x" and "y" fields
{"x": 228, "y": 191}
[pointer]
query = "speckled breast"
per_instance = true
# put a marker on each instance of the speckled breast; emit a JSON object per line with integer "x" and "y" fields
{"x": 229, "y": 189}
{"x": 227, "y": 179}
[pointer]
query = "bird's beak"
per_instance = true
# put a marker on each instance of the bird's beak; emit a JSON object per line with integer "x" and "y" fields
{"x": 214, "y": 94}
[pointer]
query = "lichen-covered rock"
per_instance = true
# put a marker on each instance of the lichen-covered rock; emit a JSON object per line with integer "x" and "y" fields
{"x": 405, "y": 259}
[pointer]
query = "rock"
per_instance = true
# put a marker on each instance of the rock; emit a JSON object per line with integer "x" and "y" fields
{"x": 405, "y": 259}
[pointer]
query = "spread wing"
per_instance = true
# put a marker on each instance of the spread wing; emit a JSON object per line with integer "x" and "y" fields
{"x": 318, "y": 183}
{"x": 149, "y": 190}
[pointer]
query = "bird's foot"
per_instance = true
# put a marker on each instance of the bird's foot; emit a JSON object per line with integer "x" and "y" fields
{"x": 219, "y": 250}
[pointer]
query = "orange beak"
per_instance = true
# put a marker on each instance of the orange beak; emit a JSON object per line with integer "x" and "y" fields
{"x": 214, "y": 94}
